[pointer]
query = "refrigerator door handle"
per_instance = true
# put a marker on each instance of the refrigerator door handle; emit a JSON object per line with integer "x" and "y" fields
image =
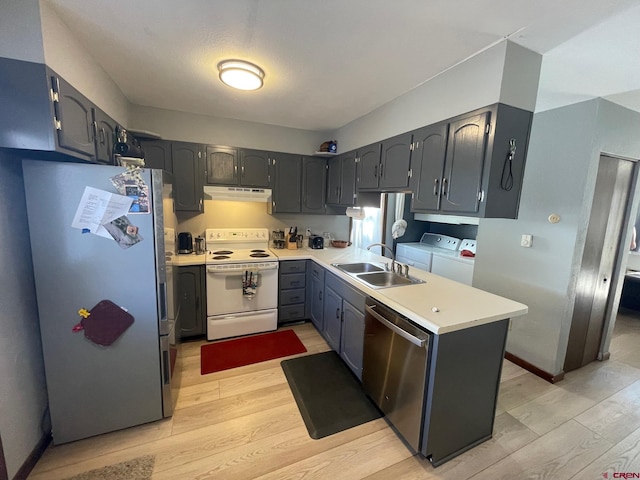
{"x": 162, "y": 292}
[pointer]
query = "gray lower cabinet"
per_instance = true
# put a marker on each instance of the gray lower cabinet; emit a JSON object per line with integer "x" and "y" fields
{"x": 292, "y": 291}
{"x": 192, "y": 297}
{"x": 343, "y": 316}
{"x": 315, "y": 294}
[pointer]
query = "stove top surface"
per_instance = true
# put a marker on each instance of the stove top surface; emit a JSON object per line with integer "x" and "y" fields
{"x": 237, "y": 245}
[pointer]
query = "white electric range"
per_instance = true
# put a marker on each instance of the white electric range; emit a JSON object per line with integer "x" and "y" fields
{"x": 241, "y": 282}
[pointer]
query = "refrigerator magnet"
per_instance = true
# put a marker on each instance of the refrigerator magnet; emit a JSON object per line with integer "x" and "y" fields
{"x": 123, "y": 232}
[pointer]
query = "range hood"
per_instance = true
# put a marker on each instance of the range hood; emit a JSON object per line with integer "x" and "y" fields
{"x": 238, "y": 194}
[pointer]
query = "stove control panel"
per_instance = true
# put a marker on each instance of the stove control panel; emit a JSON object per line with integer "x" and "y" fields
{"x": 240, "y": 235}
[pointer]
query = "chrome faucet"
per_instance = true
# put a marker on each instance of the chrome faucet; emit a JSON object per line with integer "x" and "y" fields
{"x": 393, "y": 257}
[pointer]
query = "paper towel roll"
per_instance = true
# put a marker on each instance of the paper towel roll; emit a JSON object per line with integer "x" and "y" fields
{"x": 355, "y": 212}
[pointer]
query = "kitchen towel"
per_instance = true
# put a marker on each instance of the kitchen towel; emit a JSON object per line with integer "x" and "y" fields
{"x": 249, "y": 283}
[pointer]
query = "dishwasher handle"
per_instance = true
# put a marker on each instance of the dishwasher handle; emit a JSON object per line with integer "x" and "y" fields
{"x": 419, "y": 341}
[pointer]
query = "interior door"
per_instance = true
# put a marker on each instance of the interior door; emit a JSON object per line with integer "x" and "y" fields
{"x": 594, "y": 286}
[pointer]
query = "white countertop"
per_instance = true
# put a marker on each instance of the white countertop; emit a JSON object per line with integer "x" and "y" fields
{"x": 458, "y": 306}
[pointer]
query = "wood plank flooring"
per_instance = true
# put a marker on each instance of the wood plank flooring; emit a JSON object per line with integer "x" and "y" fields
{"x": 244, "y": 424}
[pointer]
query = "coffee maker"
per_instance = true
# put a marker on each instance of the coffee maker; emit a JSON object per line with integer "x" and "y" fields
{"x": 185, "y": 242}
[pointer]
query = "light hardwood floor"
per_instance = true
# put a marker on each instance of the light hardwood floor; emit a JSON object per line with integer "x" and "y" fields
{"x": 244, "y": 424}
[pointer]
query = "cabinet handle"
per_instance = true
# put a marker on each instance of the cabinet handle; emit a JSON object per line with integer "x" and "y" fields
{"x": 444, "y": 187}
{"x": 242, "y": 171}
{"x": 381, "y": 170}
{"x": 436, "y": 181}
{"x": 235, "y": 169}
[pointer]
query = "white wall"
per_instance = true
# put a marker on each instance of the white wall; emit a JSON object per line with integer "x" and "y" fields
{"x": 191, "y": 127}
{"x": 23, "y": 396}
{"x": 68, "y": 58}
{"x": 482, "y": 80}
{"x": 20, "y": 30}
{"x": 560, "y": 177}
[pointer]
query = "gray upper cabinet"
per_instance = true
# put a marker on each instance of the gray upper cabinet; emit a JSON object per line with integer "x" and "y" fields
{"x": 395, "y": 161}
{"x": 287, "y": 191}
{"x": 341, "y": 179}
{"x": 157, "y": 154}
{"x": 368, "y": 159}
{"x": 41, "y": 111}
{"x": 222, "y": 165}
{"x": 188, "y": 170}
{"x": 314, "y": 185}
{"x": 461, "y": 184}
{"x": 427, "y": 165}
{"x": 105, "y": 135}
{"x": 254, "y": 168}
{"x": 472, "y": 173}
{"x": 232, "y": 166}
{"x": 73, "y": 118}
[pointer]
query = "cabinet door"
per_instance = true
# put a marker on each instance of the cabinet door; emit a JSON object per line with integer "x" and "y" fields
{"x": 348, "y": 168}
{"x": 317, "y": 292}
{"x": 188, "y": 170}
{"x": 190, "y": 294}
{"x": 368, "y": 166}
{"x": 254, "y": 168}
{"x": 314, "y": 184}
{"x": 157, "y": 154}
{"x": 395, "y": 161}
{"x": 332, "y": 314}
{"x": 287, "y": 194}
{"x": 105, "y": 131}
{"x": 222, "y": 165}
{"x": 74, "y": 118}
{"x": 427, "y": 165}
{"x": 464, "y": 163}
{"x": 352, "y": 337}
{"x": 334, "y": 173}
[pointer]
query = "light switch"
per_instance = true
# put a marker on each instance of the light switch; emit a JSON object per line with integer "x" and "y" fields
{"x": 526, "y": 241}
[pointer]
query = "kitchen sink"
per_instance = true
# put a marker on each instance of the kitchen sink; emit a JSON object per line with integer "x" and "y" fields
{"x": 358, "y": 267}
{"x": 386, "y": 279}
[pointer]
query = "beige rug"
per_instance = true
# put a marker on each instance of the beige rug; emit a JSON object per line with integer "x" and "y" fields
{"x": 136, "y": 469}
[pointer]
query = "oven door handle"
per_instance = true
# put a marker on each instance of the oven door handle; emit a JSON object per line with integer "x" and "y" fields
{"x": 214, "y": 271}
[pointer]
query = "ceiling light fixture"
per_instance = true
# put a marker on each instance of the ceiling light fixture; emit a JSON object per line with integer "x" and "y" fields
{"x": 241, "y": 75}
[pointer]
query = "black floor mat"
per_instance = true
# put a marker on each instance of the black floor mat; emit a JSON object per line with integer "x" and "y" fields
{"x": 328, "y": 394}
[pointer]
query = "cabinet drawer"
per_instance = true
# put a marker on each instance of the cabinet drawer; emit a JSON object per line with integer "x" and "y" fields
{"x": 291, "y": 312}
{"x": 292, "y": 280}
{"x": 316, "y": 271}
{"x": 288, "y": 297}
{"x": 293, "y": 266}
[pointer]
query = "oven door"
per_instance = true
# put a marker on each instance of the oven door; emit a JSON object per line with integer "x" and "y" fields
{"x": 225, "y": 293}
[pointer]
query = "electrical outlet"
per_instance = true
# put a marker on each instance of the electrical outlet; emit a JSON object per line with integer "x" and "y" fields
{"x": 307, "y": 232}
{"x": 526, "y": 241}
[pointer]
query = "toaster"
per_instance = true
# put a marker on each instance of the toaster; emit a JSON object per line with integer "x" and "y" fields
{"x": 316, "y": 242}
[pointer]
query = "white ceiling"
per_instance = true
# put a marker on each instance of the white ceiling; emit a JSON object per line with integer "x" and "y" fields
{"x": 328, "y": 62}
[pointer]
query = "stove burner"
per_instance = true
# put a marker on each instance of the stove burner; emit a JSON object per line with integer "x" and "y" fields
{"x": 258, "y": 250}
{"x": 259, "y": 255}
{"x": 223, "y": 252}
{"x": 221, "y": 257}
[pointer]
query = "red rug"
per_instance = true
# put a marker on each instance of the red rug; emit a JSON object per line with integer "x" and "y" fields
{"x": 238, "y": 352}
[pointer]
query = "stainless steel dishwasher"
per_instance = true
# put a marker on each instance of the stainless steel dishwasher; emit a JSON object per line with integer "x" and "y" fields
{"x": 395, "y": 359}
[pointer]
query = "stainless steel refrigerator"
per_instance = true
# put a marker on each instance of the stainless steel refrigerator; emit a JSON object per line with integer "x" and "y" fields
{"x": 114, "y": 367}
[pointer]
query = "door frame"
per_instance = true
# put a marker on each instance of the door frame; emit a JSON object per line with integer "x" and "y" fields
{"x": 620, "y": 266}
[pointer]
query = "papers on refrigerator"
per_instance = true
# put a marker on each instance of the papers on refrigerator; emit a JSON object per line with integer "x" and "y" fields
{"x": 98, "y": 207}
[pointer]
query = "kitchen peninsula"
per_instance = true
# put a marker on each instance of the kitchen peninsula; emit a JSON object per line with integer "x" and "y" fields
{"x": 467, "y": 326}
